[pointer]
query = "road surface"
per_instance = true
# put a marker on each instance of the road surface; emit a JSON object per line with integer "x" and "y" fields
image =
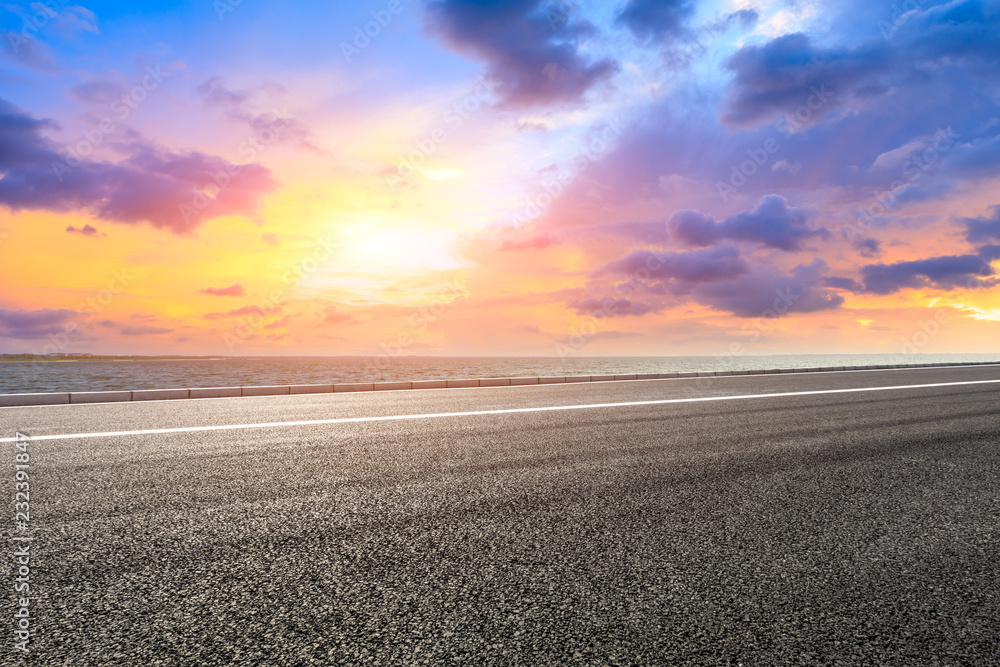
{"x": 827, "y": 518}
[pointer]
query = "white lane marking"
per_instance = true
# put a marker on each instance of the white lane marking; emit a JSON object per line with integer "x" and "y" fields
{"x": 506, "y": 411}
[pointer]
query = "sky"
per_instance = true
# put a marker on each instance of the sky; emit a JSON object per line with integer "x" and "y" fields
{"x": 462, "y": 177}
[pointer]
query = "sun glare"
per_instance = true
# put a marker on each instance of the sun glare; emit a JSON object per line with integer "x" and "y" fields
{"x": 390, "y": 246}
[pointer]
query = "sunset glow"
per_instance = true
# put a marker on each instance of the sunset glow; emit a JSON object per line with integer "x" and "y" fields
{"x": 584, "y": 178}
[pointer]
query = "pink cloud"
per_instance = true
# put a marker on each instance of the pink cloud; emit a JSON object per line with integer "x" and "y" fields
{"x": 232, "y": 290}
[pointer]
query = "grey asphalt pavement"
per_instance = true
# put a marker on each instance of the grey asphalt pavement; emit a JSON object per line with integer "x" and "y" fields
{"x": 856, "y": 528}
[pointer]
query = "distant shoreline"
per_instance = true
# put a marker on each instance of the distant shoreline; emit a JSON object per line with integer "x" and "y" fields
{"x": 43, "y": 360}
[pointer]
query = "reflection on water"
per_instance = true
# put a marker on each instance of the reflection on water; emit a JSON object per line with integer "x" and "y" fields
{"x": 250, "y": 371}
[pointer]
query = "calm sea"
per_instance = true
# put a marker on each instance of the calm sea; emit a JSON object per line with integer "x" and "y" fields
{"x": 249, "y": 371}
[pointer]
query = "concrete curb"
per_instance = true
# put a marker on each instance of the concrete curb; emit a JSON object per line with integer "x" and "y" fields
{"x": 84, "y": 397}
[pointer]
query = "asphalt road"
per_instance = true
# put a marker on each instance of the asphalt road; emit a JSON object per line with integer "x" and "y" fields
{"x": 838, "y": 528}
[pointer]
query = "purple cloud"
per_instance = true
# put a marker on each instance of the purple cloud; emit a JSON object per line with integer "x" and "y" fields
{"x": 771, "y": 223}
{"x": 789, "y": 72}
{"x": 172, "y": 191}
{"x": 768, "y": 292}
{"x": 698, "y": 266}
{"x": 269, "y": 126}
{"x": 867, "y": 247}
{"x": 978, "y": 230}
{"x": 535, "y": 61}
{"x": 720, "y": 279}
{"x": 656, "y": 19}
{"x": 783, "y": 74}
{"x": 86, "y": 230}
{"x": 946, "y": 272}
{"x": 28, "y": 324}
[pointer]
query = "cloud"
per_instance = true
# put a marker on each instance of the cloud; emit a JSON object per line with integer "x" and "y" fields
{"x": 980, "y": 156}
{"x": 720, "y": 279}
{"x": 535, "y": 62}
{"x": 772, "y": 223}
{"x": 781, "y": 75}
{"x": 145, "y": 331}
{"x": 27, "y": 52}
{"x": 280, "y": 323}
{"x": 613, "y": 307}
{"x": 217, "y": 94}
{"x": 100, "y": 91}
{"x": 989, "y": 253}
{"x": 270, "y": 239}
{"x": 232, "y": 290}
{"x": 333, "y": 316}
{"x": 245, "y": 310}
{"x": 151, "y": 184}
{"x": 86, "y": 230}
{"x": 29, "y": 324}
{"x": 746, "y": 17}
{"x": 768, "y": 292}
{"x": 76, "y": 18}
{"x": 652, "y": 20}
{"x": 838, "y": 282}
{"x": 682, "y": 268}
{"x": 785, "y": 73}
{"x": 982, "y": 229}
{"x": 947, "y": 273}
{"x": 866, "y": 247}
{"x": 534, "y": 243}
{"x": 272, "y": 126}
{"x": 22, "y": 45}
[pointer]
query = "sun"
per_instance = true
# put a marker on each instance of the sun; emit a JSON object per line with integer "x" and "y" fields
{"x": 398, "y": 247}
{"x": 384, "y": 262}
